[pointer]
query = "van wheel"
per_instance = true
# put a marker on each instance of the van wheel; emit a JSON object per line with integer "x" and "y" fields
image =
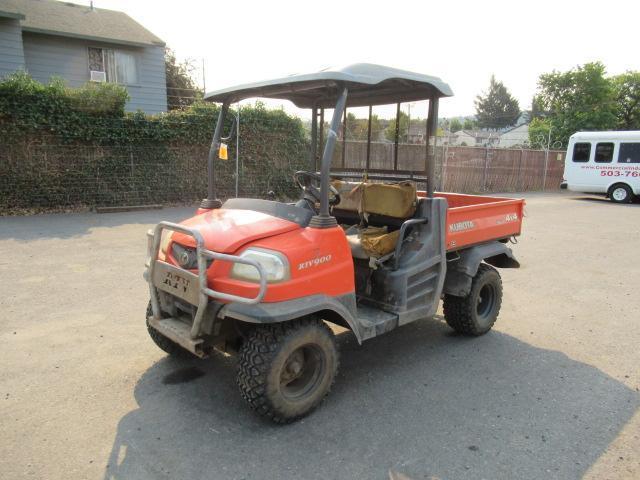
{"x": 620, "y": 193}
{"x": 286, "y": 369}
{"x": 476, "y": 313}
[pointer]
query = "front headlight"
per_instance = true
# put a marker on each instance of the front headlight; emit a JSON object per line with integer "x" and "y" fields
{"x": 274, "y": 264}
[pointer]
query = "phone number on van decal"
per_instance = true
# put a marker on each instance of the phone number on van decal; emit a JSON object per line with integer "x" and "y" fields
{"x": 618, "y": 173}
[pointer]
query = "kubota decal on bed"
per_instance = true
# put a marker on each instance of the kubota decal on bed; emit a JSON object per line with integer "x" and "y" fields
{"x": 460, "y": 226}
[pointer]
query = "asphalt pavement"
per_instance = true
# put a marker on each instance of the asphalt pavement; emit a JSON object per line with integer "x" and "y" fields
{"x": 551, "y": 393}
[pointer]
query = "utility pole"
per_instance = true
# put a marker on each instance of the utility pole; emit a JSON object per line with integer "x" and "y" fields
{"x": 546, "y": 161}
{"x": 204, "y": 80}
{"x": 409, "y": 122}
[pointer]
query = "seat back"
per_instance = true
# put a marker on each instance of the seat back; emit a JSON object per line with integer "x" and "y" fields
{"x": 396, "y": 200}
{"x": 382, "y": 203}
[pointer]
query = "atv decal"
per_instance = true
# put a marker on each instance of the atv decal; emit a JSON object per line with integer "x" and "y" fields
{"x": 315, "y": 262}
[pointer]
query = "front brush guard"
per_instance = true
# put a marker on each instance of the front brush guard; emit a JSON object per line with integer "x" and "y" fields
{"x": 204, "y": 292}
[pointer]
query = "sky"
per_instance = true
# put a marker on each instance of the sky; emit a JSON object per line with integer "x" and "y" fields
{"x": 462, "y": 42}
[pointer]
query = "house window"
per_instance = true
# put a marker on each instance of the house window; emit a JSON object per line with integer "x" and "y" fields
{"x": 629, "y": 153}
{"x": 604, "y": 153}
{"x": 581, "y": 152}
{"x": 119, "y": 66}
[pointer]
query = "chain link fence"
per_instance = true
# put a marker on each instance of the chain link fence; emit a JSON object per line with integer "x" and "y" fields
{"x": 459, "y": 169}
{"x": 62, "y": 148}
{"x": 484, "y": 169}
{"x": 42, "y": 176}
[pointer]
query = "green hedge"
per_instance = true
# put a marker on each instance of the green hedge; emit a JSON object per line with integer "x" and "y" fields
{"x": 62, "y": 147}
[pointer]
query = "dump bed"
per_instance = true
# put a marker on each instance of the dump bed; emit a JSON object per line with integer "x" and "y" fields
{"x": 474, "y": 219}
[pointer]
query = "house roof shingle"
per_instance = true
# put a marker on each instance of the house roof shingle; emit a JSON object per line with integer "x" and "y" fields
{"x": 9, "y": 11}
{"x": 79, "y": 21}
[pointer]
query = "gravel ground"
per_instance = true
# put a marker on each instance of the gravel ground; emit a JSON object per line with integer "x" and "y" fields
{"x": 551, "y": 392}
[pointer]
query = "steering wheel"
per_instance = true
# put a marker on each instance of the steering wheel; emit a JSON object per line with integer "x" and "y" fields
{"x": 309, "y": 182}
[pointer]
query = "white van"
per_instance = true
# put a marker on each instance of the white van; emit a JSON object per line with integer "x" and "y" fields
{"x": 604, "y": 162}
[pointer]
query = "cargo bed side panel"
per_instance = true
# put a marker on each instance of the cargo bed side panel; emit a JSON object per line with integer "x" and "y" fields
{"x": 475, "y": 219}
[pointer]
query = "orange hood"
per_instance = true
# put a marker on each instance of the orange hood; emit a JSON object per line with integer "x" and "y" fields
{"x": 225, "y": 231}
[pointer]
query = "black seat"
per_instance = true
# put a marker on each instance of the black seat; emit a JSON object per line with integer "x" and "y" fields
{"x": 350, "y": 217}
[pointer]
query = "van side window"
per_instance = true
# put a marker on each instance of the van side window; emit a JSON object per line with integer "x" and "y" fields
{"x": 604, "y": 152}
{"x": 629, "y": 153}
{"x": 581, "y": 152}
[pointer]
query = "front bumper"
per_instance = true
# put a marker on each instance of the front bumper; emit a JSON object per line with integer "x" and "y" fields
{"x": 189, "y": 287}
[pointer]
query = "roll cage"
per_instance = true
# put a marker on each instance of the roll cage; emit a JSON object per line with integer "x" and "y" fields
{"x": 352, "y": 86}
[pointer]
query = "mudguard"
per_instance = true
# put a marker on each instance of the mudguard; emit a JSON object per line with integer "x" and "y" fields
{"x": 461, "y": 270}
{"x": 340, "y": 310}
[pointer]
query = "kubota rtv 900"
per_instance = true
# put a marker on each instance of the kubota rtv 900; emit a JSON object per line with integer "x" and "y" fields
{"x": 370, "y": 254}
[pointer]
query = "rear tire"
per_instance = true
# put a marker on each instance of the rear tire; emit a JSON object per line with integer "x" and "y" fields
{"x": 285, "y": 370}
{"x": 621, "y": 193}
{"x": 168, "y": 346}
{"x": 476, "y": 313}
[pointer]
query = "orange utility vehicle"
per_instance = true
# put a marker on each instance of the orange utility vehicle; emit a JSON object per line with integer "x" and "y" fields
{"x": 262, "y": 277}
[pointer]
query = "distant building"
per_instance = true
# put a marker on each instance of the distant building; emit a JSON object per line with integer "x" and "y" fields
{"x": 417, "y": 132}
{"x": 475, "y": 138}
{"x": 515, "y": 137}
{"x": 79, "y": 44}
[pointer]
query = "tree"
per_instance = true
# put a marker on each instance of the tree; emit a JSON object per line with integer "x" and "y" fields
{"x": 579, "y": 99}
{"x": 627, "y": 93}
{"x": 390, "y": 132}
{"x": 468, "y": 124}
{"x": 376, "y": 127}
{"x": 497, "y": 108}
{"x": 539, "y": 133}
{"x": 455, "y": 125}
{"x": 536, "y": 109}
{"x": 182, "y": 89}
{"x": 357, "y": 128}
{"x": 354, "y": 130}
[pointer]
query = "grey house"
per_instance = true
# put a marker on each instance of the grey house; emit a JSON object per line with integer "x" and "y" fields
{"x": 80, "y": 44}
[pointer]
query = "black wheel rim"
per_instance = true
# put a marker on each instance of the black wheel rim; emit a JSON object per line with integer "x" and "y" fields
{"x": 302, "y": 372}
{"x": 486, "y": 301}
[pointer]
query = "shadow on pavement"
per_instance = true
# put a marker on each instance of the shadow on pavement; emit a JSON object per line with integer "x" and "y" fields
{"x": 68, "y": 225}
{"x": 420, "y": 401}
{"x": 634, "y": 203}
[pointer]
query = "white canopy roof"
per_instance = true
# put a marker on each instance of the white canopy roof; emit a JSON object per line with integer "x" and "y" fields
{"x": 368, "y": 84}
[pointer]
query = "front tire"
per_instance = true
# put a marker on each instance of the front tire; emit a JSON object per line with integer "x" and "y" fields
{"x": 285, "y": 370}
{"x": 621, "y": 193}
{"x": 166, "y": 345}
{"x": 476, "y": 313}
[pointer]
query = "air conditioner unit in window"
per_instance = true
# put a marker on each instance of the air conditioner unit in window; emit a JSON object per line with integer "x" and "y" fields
{"x": 98, "y": 76}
